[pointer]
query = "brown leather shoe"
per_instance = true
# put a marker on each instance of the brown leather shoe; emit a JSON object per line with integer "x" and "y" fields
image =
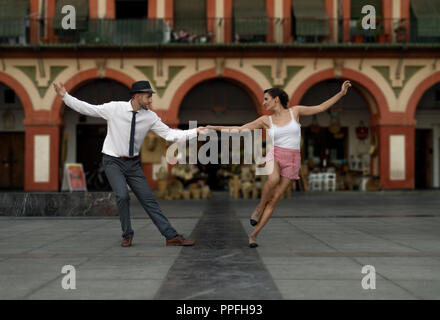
{"x": 126, "y": 242}
{"x": 179, "y": 241}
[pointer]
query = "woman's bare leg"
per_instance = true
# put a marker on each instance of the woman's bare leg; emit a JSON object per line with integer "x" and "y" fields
{"x": 272, "y": 180}
{"x": 270, "y": 206}
{"x": 268, "y": 190}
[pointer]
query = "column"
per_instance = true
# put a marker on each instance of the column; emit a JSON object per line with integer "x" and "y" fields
{"x": 42, "y": 156}
{"x": 396, "y": 155}
{"x": 211, "y": 21}
{"x": 227, "y": 15}
{"x": 436, "y": 156}
{"x": 346, "y": 16}
{"x": 273, "y": 24}
{"x": 278, "y": 20}
{"x": 331, "y": 6}
{"x": 49, "y": 35}
{"x": 34, "y": 24}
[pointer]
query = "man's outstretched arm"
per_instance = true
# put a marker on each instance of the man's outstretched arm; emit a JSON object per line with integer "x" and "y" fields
{"x": 169, "y": 134}
{"x": 99, "y": 111}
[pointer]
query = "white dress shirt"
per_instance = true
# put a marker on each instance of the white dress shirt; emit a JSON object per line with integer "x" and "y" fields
{"x": 118, "y": 115}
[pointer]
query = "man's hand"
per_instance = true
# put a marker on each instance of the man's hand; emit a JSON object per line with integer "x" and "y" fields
{"x": 345, "y": 87}
{"x": 60, "y": 90}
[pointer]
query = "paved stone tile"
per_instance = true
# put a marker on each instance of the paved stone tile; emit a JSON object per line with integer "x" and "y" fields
{"x": 313, "y": 247}
{"x": 340, "y": 290}
{"x": 425, "y": 245}
{"x": 103, "y": 289}
{"x": 20, "y": 277}
{"x": 404, "y": 268}
{"x": 130, "y": 268}
{"x": 313, "y": 268}
{"x": 425, "y": 289}
{"x": 142, "y": 249}
{"x": 174, "y": 209}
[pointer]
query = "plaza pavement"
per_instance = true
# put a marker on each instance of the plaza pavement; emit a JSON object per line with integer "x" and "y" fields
{"x": 314, "y": 247}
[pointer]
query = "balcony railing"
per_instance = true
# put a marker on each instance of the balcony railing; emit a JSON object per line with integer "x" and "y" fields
{"x": 160, "y": 31}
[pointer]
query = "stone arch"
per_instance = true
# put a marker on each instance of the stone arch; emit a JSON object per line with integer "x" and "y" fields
{"x": 20, "y": 91}
{"x": 379, "y": 115}
{"x": 378, "y": 107}
{"x": 418, "y": 92}
{"x": 86, "y": 75}
{"x": 248, "y": 84}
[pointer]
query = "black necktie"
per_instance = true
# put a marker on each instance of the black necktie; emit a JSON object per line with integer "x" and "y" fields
{"x": 133, "y": 125}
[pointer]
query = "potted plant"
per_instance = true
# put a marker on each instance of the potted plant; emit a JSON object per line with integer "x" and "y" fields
{"x": 359, "y": 37}
{"x": 400, "y": 32}
{"x": 381, "y": 37}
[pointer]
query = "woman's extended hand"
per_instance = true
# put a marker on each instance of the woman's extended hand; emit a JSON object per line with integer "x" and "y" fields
{"x": 345, "y": 87}
{"x": 202, "y": 130}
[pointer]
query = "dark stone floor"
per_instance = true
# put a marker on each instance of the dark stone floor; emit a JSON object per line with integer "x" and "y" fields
{"x": 221, "y": 265}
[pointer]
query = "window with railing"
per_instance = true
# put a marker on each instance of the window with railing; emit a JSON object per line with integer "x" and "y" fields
{"x": 250, "y": 22}
{"x": 14, "y": 22}
{"x": 190, "y": 22}
{"x": 357, "y": 32}
{"x": 425, "y": 21}
{"x": 310, "y": 21}
{"x": 131, "y": 9}
{"x": 130, "y": 26}
{"x": 81, "y": 22}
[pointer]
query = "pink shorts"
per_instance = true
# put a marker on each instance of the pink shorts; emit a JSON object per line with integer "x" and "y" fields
{"x": 289, "y": 161}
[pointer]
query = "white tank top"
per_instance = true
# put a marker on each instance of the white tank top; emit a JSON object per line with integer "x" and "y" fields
{"x": 288, "y": 136}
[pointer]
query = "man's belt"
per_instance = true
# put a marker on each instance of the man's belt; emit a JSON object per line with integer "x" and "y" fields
{"x": 128, "y": 158}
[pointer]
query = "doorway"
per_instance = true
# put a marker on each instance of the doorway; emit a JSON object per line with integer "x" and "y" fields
{"x": 217, "y": 102}
{"x": 423, "y": 159}
{"x": 131, "y": 9}
{"x": 12, "y": 161}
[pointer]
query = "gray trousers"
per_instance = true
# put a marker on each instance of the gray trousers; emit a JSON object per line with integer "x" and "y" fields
{"x": 122, "y": 172}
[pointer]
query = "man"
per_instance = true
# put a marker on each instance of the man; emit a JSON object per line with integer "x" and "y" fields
{"x": 127, "y": 125}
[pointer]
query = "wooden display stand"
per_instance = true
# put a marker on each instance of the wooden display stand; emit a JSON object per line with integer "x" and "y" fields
{"x": 303, "y": 174}
{"x": 236, "y": 186}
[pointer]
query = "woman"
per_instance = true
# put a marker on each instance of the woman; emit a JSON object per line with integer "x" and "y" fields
{"x": 285, "y": 130}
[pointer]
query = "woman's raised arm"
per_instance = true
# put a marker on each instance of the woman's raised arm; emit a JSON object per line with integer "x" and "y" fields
{"x": 309, "y": 111}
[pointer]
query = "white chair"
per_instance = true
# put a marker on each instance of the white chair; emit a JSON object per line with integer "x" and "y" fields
{"x": 329, "y": 181}
{"x": 320, "y": 182}
{"x": 315, "y": 181}
{"x": 310, "y": 180}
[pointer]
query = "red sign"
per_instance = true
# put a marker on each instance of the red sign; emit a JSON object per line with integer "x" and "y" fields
{"x": 76, "y": 177}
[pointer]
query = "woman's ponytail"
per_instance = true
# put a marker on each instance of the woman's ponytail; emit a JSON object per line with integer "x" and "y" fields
{"x": 281, "y": 94}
